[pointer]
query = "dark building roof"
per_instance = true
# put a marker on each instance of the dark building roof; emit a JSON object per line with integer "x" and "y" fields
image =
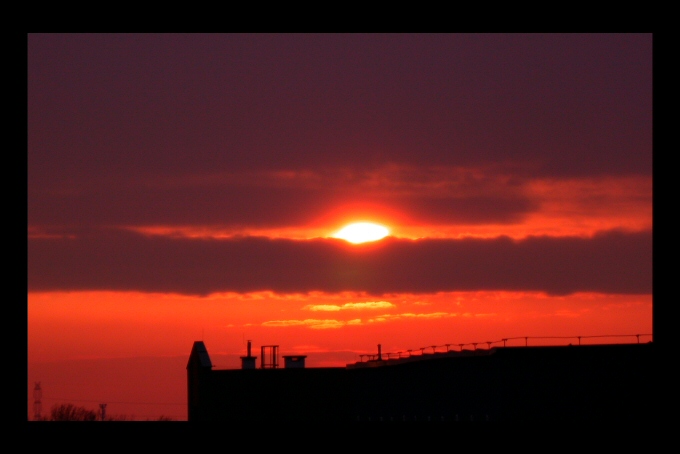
{"x": 592, "y": 383}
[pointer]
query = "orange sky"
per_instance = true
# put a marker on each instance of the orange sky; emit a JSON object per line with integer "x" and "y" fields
{"x": 100, "y": 331}
{"x": 116, "y": 335}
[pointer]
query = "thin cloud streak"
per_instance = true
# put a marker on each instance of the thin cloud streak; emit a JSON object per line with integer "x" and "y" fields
{"x": 309, "y": 323}
{"x": 349, "y": 306}
{"x": 333, "y": 324}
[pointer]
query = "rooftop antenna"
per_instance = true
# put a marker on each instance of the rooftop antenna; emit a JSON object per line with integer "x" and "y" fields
{"x": 273, "y": 361}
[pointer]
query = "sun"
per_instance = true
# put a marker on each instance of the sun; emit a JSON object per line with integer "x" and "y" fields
{"x": 362, "y": 232}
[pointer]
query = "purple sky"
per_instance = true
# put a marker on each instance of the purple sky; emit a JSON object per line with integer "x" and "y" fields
{"x": 274, "y": 132}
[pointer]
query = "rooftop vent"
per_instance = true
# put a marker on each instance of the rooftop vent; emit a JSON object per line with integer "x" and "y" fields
{"x": 294, "y": 361}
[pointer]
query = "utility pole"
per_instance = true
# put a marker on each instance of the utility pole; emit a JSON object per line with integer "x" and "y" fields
{"x": 102, "y": 408}
{"x": 37, "y": 404}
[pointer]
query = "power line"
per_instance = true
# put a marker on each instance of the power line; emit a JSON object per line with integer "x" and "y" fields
{"x": 114, "y": 402}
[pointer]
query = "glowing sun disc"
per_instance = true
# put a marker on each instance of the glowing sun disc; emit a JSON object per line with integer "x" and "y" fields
{"x": 361, "y": 232}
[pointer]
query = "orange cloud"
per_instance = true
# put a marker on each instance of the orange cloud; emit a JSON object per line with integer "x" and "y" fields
{"x": 409, "y": 315}
{"x": 325, "y": 323}
{"x": 350, "y": 306}
{"x": 397, "y": 196}
{"x": 310, "y": 323}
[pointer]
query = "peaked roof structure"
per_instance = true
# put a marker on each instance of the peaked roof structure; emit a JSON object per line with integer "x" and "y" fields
{"x": 199, "y": 356}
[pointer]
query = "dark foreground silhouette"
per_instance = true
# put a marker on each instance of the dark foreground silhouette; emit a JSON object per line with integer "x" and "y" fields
{"x": 567, "y": 383}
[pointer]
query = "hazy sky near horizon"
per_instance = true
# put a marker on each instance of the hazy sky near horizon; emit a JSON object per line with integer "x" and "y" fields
{"x": 184, "y": 183}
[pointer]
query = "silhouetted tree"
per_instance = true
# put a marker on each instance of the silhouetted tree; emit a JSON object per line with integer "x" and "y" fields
{"x": 70, "y": 412}
{"x": 163, "y": 418}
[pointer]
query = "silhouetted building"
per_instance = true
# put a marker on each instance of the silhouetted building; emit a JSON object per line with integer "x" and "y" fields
{"x": 589, "y": 383}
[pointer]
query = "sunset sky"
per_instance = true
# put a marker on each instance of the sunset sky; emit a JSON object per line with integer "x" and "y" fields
{"x": 189, "y": 187}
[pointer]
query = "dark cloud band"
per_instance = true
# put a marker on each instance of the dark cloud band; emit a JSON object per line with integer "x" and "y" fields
{"x": 612, "y": 262}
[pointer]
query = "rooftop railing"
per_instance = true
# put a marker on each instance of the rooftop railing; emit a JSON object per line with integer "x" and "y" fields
{"x": 508, "y": 341}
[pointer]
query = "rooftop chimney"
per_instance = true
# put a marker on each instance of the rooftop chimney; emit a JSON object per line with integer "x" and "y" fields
{"x": 248, "y": 362}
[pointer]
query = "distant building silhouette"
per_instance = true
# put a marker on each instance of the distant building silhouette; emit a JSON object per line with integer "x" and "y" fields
{"x": 610, "y": 382}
